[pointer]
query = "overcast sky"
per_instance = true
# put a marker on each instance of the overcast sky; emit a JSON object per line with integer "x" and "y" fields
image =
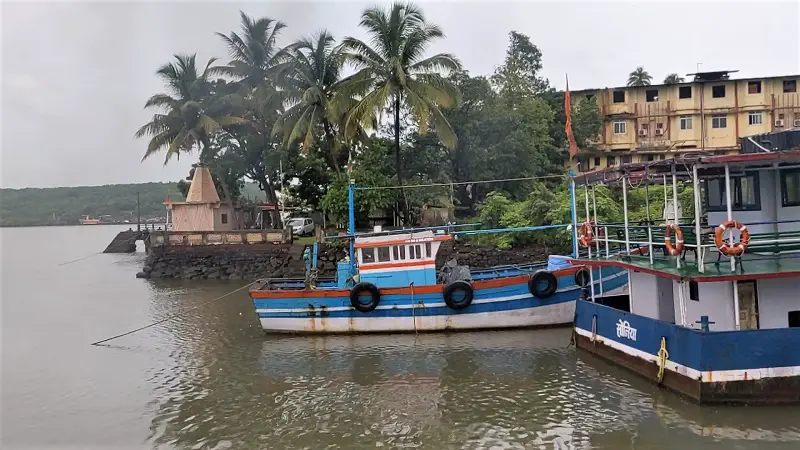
{"x": 76, "y": 75}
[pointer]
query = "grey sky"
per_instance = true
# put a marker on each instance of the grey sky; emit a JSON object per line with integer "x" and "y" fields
{"x": 75, "y": 75}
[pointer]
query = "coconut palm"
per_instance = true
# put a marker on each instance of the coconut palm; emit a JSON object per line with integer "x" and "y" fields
{"x": 190, "y": 113}
{"x": 310, "y": 84}
{"x": 254, "y": 53}
{"x": 393, "y": 71}
{"x": 673, "y": 78}
{"x": 639, "y": 77}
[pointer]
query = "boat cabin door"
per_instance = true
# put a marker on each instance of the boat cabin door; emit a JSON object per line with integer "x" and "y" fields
{"x": 748, "y": 305}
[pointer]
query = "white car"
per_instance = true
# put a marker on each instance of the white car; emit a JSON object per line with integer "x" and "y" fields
{"x": 301, "y": 226}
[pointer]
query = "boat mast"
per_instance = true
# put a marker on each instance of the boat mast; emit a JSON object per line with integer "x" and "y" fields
{"x": 351, "y": 223}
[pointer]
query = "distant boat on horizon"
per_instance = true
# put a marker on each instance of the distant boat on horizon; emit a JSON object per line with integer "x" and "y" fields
{"x": 88, "y": 220}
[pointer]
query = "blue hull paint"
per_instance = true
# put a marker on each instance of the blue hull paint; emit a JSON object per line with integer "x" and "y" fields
{"x": 506, "y": 298}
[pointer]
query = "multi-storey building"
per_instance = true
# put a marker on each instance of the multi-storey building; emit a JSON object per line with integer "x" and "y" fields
{"x": 708, "y": 114}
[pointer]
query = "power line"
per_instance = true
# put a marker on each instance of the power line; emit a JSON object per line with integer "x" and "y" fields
{"x": 367, "y": 188}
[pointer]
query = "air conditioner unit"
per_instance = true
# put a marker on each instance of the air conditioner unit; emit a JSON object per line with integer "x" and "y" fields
{"x": 659, "y": 131}
{"x": 642, "y": 132}
{"x": 778, "y": 122}
{"x": 796, "y": 123}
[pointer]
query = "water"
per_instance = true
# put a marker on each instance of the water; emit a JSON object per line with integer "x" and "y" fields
{"x": 213, "y": 380}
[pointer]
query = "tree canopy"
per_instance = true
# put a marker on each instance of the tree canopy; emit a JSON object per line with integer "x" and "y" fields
{"x": 639, "y": 77}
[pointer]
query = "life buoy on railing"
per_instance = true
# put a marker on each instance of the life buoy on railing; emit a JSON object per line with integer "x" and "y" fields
{"x": 458, "y": 294}
{"x": 543, "y": 284}
{"x": 677, "y": 249}
{"x": 357, "y": 295}
{"x": 736, "y": 248}
{"x": 585, "y": 234}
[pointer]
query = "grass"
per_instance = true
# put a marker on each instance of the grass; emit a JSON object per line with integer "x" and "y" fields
{"x": 305, "y": 240}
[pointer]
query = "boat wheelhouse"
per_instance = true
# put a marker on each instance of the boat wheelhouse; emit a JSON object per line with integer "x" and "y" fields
{"x": 713, "y": 310}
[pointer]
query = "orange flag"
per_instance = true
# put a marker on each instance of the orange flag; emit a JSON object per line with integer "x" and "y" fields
{"x": 573, "y": 146}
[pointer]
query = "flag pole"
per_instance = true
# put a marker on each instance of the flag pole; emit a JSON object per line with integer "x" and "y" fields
{"x": 573, "y": 150}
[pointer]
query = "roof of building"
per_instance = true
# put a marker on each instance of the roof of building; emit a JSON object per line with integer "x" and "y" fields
{"x": 202, "y": 189}
{"x": 707, "y": 78}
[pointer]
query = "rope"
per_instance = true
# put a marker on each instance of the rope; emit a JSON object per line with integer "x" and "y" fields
{"x": 413, "y": 307}
{"x": 663, "y": 354}
{"x": 594, "y": 329}
{"x": 172, "y": 316}
{"x": 369, "y": 188}
{"x": 97, "y": 253}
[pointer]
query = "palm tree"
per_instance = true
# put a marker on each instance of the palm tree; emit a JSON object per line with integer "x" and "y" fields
{"x": 310, "y": 84}
{"x": 639, "y": 77}
{"x": 673, "y": 78}
{"x": 393, "y": 72}
{"x": 254, "y": 54}
{"x": 191, "y": 115}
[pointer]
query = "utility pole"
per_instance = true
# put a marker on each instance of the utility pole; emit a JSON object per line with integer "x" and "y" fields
{"x": 138, "y": 214}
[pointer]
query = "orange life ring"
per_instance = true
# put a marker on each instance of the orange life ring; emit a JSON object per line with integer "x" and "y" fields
{"x": 736, "y": 248}
{"x": 585, "y": 234}
{"x": 677, "y": 249}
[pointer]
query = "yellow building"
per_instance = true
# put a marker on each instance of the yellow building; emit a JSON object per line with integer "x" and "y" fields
{"x": 708, "y": 114}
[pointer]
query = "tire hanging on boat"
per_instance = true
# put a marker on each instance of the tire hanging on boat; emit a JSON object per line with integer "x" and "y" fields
{"x": 582, "y": 278}
{"x": 463, "y": 293}
{"x": 356, "y": 294}
{"x": 543, "y": 277}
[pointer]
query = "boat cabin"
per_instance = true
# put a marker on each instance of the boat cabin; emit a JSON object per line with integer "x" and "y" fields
{"x": 395, "y": 260}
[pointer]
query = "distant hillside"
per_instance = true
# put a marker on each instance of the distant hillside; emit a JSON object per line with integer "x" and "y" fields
{"x": 66, "y": 205}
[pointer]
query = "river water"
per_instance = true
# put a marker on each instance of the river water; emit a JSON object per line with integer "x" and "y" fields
{"x": 211, "y": 379}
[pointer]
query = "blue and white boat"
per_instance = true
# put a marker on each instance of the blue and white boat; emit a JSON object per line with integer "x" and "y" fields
{"x": 722, "y": 324}
{"x": 390, "y": 283}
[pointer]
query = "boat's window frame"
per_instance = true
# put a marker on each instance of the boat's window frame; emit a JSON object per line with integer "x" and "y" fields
{"x": 384, "y": 254}
{"x": 402, "y": 252}
{"x": 364, "y": 252}
{"x": 785, "y": 202}
{"x": 736, "y": 185}
{"x": 428, "y": 249}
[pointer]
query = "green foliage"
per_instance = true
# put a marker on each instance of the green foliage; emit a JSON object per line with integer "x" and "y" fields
{"x": 639, "y": 77}
{"x": 518, "y": 78}
{"x": 673, "y": 78}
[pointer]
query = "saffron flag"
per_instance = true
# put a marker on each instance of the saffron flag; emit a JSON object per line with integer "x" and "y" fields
{"x": 573, "y": 146}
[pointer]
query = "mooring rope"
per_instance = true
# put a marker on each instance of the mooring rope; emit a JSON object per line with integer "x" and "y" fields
{"x": 126, "y": 241}
{"x": 172, "y": 316}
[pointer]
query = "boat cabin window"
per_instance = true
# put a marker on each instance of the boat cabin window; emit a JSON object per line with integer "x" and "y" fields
{"x": 794, "y": 319}
{"x": 694, "y": 292}
{"x": 745, "y": 196}
{"x": 428, "y": 249}
{"x": 399, "y": 252}
{"x": 414, "y": 252}
{"x": 367, "y": 255}
{"x": 790, "y": 187}
{"x": 383, "y": 254}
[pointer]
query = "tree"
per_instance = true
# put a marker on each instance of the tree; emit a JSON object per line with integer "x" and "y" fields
{"x": 639, "y": 77}
{"x": 673, "y": 78}
{"x": 311, "y": 85}
{"x": 518, "y": 77}
{"x": 192, "y": 114}
{"x": 394, "y": 72}
{"x": 255, "y": 57}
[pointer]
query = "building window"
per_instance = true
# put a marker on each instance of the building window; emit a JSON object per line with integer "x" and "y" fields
{"x": 694, "y": 291}
{"x": 790, "y": 86}
{"x": 745, "y": 193}
{"x": 626, "y": 159}
{"x": 719, "y": 121}
{"x": 589, "y": 96}
{"x": 648, "y": 158}
{"x": 754, "y": 118}
{"x": 224, "y": 218}
{"x": 754, "y": 87}
{"x": 367, "y": 255}
{"x": 651, "y": 95}
{"x": 661, "y": 157}
{"x": 597, "y": 161}
{"x": 686, "y": 122}
{"x": 790, "y": 187}
{"x": 718, "y": 91}
{"x": 611, "y": 161}
{"x": 619, "y": 127}
{"x": 619, "y": 96}
{"x": 685, "y": 92}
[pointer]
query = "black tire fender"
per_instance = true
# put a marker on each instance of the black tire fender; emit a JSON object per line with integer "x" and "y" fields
{"x": 538, "y": 279}
{"x": 454, "y": 287}
{"x": 356, "y": 294}
{"x": 582, "y": 277}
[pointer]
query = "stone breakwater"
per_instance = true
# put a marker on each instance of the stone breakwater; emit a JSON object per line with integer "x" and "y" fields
{"x": 254, "y": 261}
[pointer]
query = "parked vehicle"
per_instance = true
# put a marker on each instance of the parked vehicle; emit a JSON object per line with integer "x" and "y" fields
{"x": 301, "y": 226}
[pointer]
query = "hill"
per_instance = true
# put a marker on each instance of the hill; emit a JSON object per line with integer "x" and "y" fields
{"x": 66, "y": 205}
